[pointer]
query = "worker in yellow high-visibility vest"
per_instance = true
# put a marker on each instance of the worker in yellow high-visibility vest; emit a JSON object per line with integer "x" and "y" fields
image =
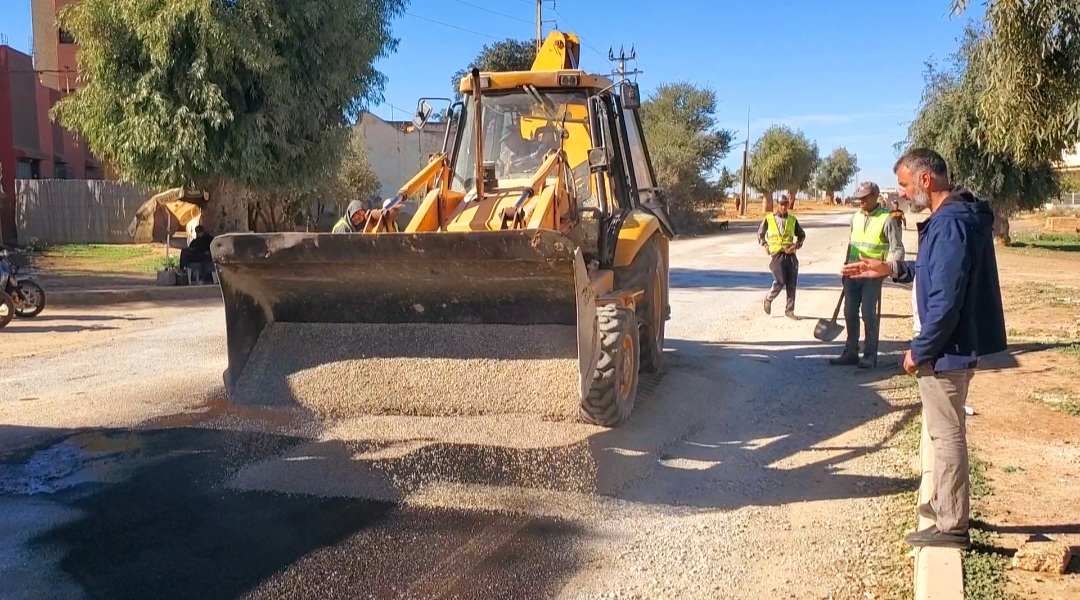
{"x": 781, "y": 235}
{"x": 877, "y": 235}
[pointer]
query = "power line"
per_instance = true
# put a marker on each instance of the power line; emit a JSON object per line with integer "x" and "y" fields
{"x": 494, "y": 12}
{"x": 412, "y": 14}
{"x": 578, "y": 31}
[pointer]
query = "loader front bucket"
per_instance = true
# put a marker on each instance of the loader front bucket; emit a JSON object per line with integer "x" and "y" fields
{"x": 425, "y": 323}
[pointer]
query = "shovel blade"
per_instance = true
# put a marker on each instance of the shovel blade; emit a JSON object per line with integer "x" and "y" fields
{"x": 827, "y": 330}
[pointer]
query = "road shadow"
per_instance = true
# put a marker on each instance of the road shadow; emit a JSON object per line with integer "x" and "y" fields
{"x": 81, "y": 318}
{"x": 724, "y": 279}
{"x": 20, "y": 327}
{"x": 156, "y": 518}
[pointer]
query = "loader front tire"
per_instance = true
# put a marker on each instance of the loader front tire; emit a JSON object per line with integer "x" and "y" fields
{"x": 615, "y": 380}
{"x": 647, "y": 273}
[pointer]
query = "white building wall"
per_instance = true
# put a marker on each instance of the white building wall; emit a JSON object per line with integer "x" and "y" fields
{"x": 397, "y": 155}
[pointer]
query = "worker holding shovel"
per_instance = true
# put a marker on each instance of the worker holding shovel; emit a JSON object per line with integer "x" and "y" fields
{"x": 876, "y": 235}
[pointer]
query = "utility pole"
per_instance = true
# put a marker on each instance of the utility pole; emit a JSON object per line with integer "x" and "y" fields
{"x": 745, "y": 162}
{"x": 539, "y": 24}
{"x": 621, "y": 59}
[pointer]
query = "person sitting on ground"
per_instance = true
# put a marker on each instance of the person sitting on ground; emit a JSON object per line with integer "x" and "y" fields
{"x": 198, "y": 251}
{"x": 353, "y": 221}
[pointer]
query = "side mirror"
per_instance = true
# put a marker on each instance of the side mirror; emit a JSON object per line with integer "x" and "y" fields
{"x": 630, "y": 94}
{"x": 598, "y": 160}
{"x": 423, "y": 113}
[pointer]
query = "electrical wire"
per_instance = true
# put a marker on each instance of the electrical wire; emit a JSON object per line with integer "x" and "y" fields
{"x": 412, "y": 14}
{"x": 494, "y": 12}
{"x": 578, "y": 32}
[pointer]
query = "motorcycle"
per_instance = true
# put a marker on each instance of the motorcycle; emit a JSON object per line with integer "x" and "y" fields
{"x": 27, "y": 298}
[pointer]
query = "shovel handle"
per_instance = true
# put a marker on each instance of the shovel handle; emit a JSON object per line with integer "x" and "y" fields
{"x": 839, "y": 303}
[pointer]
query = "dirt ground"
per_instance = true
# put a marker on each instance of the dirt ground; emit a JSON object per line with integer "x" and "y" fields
{"x": 1022, "y": 428}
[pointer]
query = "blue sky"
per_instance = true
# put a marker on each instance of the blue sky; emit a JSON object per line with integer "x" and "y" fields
{"x": 846, "y": 72}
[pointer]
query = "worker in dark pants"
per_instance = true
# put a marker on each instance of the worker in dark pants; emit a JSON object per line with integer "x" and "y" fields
{"x": 876, "y": 235}
{"x": 781, "y": 235}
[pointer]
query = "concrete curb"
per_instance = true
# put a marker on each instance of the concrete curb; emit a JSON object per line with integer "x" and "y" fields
{"x": 939, "y": 572}
{"x": 140, "y": 294}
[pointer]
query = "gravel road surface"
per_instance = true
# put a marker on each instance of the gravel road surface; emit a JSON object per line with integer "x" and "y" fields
{"x": 750, "y": 469}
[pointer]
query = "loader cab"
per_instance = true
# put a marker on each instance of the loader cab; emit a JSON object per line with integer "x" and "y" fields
{"x": 607, "y": 173}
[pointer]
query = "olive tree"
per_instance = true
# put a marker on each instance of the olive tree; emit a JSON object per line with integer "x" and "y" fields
{"x": 507, "y": 55}
{"x": 950, "y": 121}
{"x": 1030, "y": 104}
{"x": 222, "y": 95}
{"x": 781, "y": 159}
{"x": 835, "y": 171}
{"x": 679, "y": 123}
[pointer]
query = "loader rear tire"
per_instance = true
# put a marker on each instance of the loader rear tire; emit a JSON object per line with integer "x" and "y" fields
{"x": 647, "y": 273}
{"x": 615, "y": 380}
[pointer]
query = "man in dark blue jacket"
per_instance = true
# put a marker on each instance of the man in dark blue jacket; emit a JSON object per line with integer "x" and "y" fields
{"x": 959, "y": 302}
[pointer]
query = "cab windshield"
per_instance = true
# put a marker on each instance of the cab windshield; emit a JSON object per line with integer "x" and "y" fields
{"x": 519, "y": 129}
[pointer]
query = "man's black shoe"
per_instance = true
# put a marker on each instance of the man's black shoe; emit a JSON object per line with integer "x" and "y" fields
{"x": 845, "y": 359}
{"x": 868, "y": 362}
{"x": 932, "y": 537}
{"x": 925, "y": 511}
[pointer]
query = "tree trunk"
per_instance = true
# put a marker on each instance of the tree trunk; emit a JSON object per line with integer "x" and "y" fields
{"x": 766, "y": 202}
{"x": 1001, "y": 229}
{"x": 791, "y": 197}
{"x": 227, "y": 210}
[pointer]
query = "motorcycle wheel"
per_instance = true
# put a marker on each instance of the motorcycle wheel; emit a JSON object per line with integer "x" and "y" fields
{"x": 7, "y": 309}
{"x": 33, "y": 300}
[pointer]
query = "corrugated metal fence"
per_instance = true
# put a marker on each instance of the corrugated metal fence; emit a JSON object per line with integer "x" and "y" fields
{"x": 76, "y": 211}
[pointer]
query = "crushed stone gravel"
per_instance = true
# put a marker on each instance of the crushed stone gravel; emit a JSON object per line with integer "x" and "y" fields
{"x": 350, "y": 370}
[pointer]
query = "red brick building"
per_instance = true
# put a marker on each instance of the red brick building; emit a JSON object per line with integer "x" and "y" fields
{"x": 32, "y": 146}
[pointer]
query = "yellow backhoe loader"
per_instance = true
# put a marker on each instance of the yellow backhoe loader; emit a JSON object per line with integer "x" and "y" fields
{"x": 535, "y": 267}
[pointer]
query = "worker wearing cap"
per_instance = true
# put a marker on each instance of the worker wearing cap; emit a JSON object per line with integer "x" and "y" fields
{"x": 876, "y": 235}
{"x": 781, "y": 235}
{"x": 389, "y": 217}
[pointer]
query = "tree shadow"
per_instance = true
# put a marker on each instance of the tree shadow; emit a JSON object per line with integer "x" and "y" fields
{"x": 16, "y": 327}
{"x": 78, "y": 318}
{"x": 725, "y": 279}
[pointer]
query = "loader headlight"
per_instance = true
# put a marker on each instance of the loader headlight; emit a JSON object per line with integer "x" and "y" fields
{"x": 568, "y": 80}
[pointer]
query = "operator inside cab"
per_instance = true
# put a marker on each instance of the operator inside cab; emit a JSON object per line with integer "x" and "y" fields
{"x": 523, "y": 154}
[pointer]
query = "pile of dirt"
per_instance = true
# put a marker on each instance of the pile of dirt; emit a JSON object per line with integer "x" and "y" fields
{"x": 348, "y": 370}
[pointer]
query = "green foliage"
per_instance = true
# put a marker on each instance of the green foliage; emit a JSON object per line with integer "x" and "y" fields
{"x": 344, "y": 179}
{"x": 36, "y": 246}
{"x": 1070, "y": 182}
{"x": 356, "y": 180}
{"x": 1030, "y": 103}
{"x": 507, "y": 55}
{"x": 1062, "y": 242}
{"x": 984, "y": 575}
{"x": 949, "y": 121}
{"x": 782, "y": 159}
{"x": 679, "y": 122}
{"x": 101, "y": 252}
{"x": 836, "y": 171}
{"x": 170, "y": 262}
{"x": 190, "y": 92}
{"x": 980, "y": 483}
{"x": 726, "y": 181}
